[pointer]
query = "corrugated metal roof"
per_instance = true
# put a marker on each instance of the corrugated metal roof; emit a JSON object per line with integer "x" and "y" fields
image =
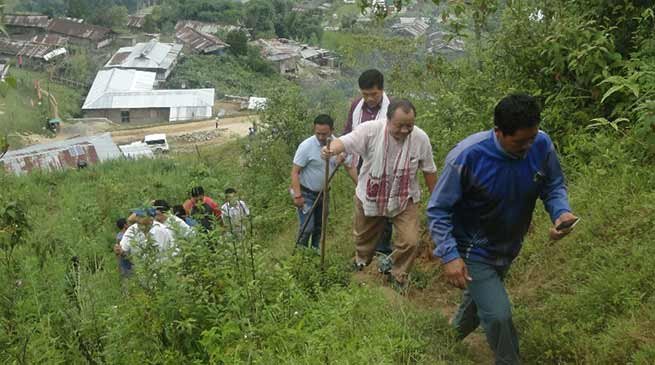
{"x": 154, "y": 99}
{"x": 136, "y": 21}
{"x": 61, "y": 154}
{"x": 198, "y": 41}
{"x": 25, "y": 49}
{"x": 79, "y": 30}
{"x": 27, "y": 21}
{"x": 50, "y": 39}
{"x": 210, "y": 28}
{"x": 412, "y": 26}
{"x": 136, "y": 150}
{"x": 117, "y": 80}
{"x": 150, "y": 55}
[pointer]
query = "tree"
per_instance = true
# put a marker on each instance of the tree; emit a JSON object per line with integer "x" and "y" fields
{"x": 113, "y": 17}
{"x": 238, "y": 41}
{"x": 258, "y": 17}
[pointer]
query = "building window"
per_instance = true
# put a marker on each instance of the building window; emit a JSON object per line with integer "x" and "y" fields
{"x": 125, "y": 117}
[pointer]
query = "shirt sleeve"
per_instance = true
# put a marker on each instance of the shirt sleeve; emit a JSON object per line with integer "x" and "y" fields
{"x": 426, "y": 160}
{"x": 356, "y": 141}
{"x": 554, "y": 192}
{"x": 126, "y": 240}
{"x": 440, "y": 212}
{"x": 214, "y": 206}
{"x": 246, "y": 210}
{"x": 302, "y": 157}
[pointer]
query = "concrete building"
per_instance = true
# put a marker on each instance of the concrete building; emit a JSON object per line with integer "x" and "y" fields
{"x": 152, "y": 56}
{"x": 128, "y": 96}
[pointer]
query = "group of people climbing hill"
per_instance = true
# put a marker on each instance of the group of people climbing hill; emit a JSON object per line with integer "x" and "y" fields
{"x": 159, "y": 225}
{"x": 479, "y": 210}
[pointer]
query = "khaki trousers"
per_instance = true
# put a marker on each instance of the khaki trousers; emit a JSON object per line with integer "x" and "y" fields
{"x": 367, "y": 231}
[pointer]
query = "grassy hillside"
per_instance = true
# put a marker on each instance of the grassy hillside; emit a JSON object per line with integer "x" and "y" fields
{"x": 213, "y": 304}
{"x": 21, "y": 112}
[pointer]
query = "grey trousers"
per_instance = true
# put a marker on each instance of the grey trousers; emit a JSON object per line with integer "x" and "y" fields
{"x": 485, "y": 302}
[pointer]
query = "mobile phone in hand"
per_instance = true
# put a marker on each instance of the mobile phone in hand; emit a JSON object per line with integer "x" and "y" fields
{"x": 567, "y": 224}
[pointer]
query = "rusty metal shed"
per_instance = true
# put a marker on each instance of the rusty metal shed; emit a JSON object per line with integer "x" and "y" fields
{"x": 60, "y": 155}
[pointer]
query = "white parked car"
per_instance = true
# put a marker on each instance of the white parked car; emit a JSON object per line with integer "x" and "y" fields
{"x": 157, "y": 142}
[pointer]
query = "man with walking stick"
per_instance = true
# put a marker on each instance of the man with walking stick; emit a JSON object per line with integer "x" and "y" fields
{"x": 393, "y": 150}
{"x": 307, "y": 179}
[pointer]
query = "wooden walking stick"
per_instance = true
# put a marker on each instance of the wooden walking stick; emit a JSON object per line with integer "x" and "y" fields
{"x": 325, "y": 206}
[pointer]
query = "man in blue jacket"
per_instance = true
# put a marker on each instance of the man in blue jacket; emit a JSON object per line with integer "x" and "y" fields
{"x": 481, "y": 209}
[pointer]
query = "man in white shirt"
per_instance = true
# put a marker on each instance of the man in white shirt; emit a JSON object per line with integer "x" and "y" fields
{"x": 235, "y": 214}
{"x": 393, "y": 150}
{"x": 147, "y": 230}
{"x": 177, "y": 226}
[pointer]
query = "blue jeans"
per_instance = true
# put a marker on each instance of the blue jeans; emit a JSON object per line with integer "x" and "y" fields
{"x": 313, "y": 228}
{"x": 124, "y": 266}
{"x": 485, "y": 302}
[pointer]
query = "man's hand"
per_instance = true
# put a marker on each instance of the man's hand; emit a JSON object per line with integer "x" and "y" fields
{"x": 456, "y": 273}
{"x": 299, "y": 201}
{"x": 326, "y": 153}
{"x": 341, "y": 158}
{"x": 557, "y": 235}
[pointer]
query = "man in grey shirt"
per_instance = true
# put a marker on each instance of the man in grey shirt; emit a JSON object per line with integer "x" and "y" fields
{"x": 307, "y": 178}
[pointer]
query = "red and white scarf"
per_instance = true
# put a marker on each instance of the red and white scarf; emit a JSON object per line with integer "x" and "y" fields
{"x": 387, "y": 192}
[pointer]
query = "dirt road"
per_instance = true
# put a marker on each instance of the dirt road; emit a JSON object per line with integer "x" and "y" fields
{"x": 228, "y": 127}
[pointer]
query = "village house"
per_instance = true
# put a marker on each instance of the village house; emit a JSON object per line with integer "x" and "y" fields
{"x": 81, "y": 33}
{"x": 200, "y": 42}
{"x": 444, "y": 43}
{"x": 28, "y": 53}
{"x": 411, "y": 27}
{"x": 128, "y": 96}
{"x": 283, "y": 53}
{"x": 152, "y": 56}
{"x": 136, "y": 22}
{"x": 25, "y": 25}
{"x": 208, "y": 28}
{"x": 287, "y": 54}
{"x": 50, "y": 40}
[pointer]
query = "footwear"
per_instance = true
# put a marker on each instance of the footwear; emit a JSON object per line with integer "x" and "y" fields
{"x": 401, "y": 288}
{"x": 358, "y": 266}
{"x": 384, "y": 264}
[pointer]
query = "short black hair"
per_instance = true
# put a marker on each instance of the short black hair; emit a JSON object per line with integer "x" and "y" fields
{"x": 197, "y": 191}
{"x": 403, "y": 104}
{"x": 230, "y": 191}
{"x": 161, "y": 205}
{"x": 324, "y": 119}
{"x": 121, "y": 223}
{"x": 517, "y": 111}
{"x": 179, "y": 211}
{"x": 370, "y": 79}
